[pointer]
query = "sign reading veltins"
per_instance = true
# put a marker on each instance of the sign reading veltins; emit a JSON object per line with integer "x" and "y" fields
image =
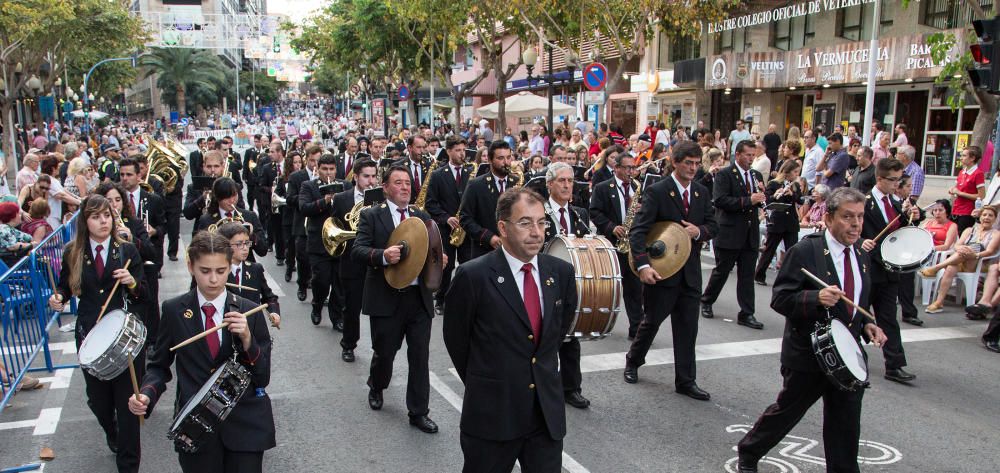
{"x": 897, "y": 58}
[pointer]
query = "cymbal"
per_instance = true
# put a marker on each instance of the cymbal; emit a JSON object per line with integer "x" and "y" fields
{"x": 433, "y": 270}
{"x": 412, "y": 234}
{"x": 668, "y": 246}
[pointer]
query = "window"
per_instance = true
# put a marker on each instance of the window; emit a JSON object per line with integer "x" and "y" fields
{"x": 470, "y": 58}
{"x": 737, "y": 41}
{"x": 792, "y": 33}
{"x": 950, "y": 13}
{"x": 682, "y": 49}
{"x": 855, "y": 23}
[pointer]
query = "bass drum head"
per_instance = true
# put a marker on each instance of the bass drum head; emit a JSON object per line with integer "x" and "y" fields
{"x": 557, "y": 247}
{"x": 197, "y": 398}
{"x": 104, "y": 334}
{"x": 907, "y": 247}
{"x": 849, "y": 350}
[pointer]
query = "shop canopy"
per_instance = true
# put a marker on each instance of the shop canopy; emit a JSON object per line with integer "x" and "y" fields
{"x": 525, "y": 104}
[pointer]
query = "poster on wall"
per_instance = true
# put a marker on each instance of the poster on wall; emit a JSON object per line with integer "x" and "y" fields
{"x": 807, "y": 118}
{"x": 378, "y": 117}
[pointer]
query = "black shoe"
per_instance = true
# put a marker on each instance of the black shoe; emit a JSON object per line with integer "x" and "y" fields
{"x": 288, "y": 276}
{"x": 993, "y": 346}
{"x": 749, "y": 320}
{"x": 347, "y": 355}
{"x": 338, "y": 325}
{"x": 913, "y": 321}
{"x": 424, "y": 423}
{"x": 975, "y": 317}
{"x": 281, "y": 262}
{"x": 577, "y": 400}
{"x": 302, "y": 295}
{"x": 374, "y": 399}
{"x": 112, "y": 439}
{"x": 631, "y": 374}
{"x": 706, "y": 311}
{"x": 316, "y": 316}
{"x": 173, "y": 257}
{"x": 746, "y": 465}
{"x": 760, "y": 282}
{"x": 694, "y": 392}
{"x": 899, "y": 375}
{"x": 979, "y": 310}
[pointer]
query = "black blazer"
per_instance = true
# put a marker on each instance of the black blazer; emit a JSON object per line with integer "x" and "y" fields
{"x": 663, "y": 202}
{"x": 374, "y": 228}
{"x": 601, "y": 175}
{"x": 783, "y": 221}
{"x": 295, "y": 181}
{"x": 314, "y": 207}
{"x": 739, "y": 222}
{"x": 797, "y": 298}
{"x": 250, "y": 425}
{"x": 578, "y": 221}
{"x": 489, "y": 338}
{"x": 288, "y": 210}
{"x": 874, "y": 223}
{"x": 267, "y": 172}
{"x": 252, "y": 275}
{"x": 444, "y": 196}
{"x": 256, "y": 236}
{"x": 425, "y": 165}
{"x": 156, "y": 211}
{"x": 140, "y": 238}
{"x": 250, "y": 176}
{"x": 94, "y": 290}
{"x": 605, "y": 208}
{"x": 194, "y": 203}
{"x": 478, "y": 216}
{"x": 342, "y": 204}
{"x": 194, "y": 163}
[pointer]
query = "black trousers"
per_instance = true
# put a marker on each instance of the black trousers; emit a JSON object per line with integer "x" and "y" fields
{"x": 744, "y": 260}
{"x": 214, "y": 457}
{"x": 907, "y": 291}
{"x": 992, "y": 332}
{"x": 883, "y": 300}
{"x": 452, "y": 254}
{"x": 413, "y": 324}
{"x": 841, "y": 419}
{"x": 108, "y": 400}
{"x": 569, "y": 365}
{"x": 353, "y": 290}
{"x": 173, "y": 214}
{"x": 302, "y": 263}
{"x": 150, "y": 308}
{"x": 275, "y": 236}
{"x": 286, "y": 233}
{"x": 325, "y": 282}
{"x": 632, "y": 293}
{"x": 682, "y": 304}
{"x": 537, "y": 453}
{"x": 252, "y": 198}
{"x": 770, "y": 248}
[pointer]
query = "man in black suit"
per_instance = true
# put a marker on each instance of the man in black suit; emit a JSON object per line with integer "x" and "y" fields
{"x": 505, "y": 318}
{"x": 269, "y": 168}
{"x": 835, "y": 257}
{"x": 352, "y": 273}
{"x": 609, "y": 205}
{"x": 194, "y": 159}
{"x": 674, "y": 199}
{"x": 195, "y": 200}
{"x": 147, "y": 208}
{"x": 881, "y": 209}
{"x": 738, "y": 195}
{"x": 395, "y": 314}
{"x": 478, "y": 215}
{"x": 295, "y": 180}
{"x": 416, "y": 146}
{"x": 234, "y": 163}
{"x": 444, "y": 196}
{"x": 316, "y": 204}
{"x": 225, "y": 196}
{"x": 345, "y": 160}
{"x": 250, "y": 171}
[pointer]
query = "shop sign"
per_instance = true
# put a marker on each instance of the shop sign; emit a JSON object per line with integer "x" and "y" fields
{"x": 785, "y": 12}
{"x": 897, "y": 58}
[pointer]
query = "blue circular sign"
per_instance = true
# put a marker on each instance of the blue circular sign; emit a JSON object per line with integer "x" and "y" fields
{"x": 595, "y": 76}
{"x": 404, "y": 92}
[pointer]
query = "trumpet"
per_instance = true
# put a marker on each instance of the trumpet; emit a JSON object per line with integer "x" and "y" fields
{"x": 124, "y": 233}
{"x": 277, "y": 201}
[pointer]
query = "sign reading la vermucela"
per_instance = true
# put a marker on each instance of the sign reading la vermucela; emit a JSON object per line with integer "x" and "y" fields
{"x": 786, "y": 12}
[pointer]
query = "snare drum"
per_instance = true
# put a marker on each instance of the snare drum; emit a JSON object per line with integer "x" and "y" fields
{"x": 598, "y": 283}
{"x": 840, "y": 356}
{"x": 209, "y": 407}
{"x": 907, "y": 249}
{"x": 105, "y": 351}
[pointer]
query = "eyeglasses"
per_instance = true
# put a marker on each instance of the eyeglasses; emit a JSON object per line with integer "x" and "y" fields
{"x": 240, "y": 244}
{"x": 527, "y": 225}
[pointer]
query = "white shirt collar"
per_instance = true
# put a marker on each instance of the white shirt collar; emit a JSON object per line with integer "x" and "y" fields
{"x": 877, "y": 194}
{"x": 679, "y": 186}
{"x": 835, "y": 246}
{"x": 555, "y": 205}
{"x": 219, "y": 303}
{"x": 621, "y": 184}
{"x": 358, "y": 195}
{"x": 742, "y": 171}
{"x": 104, "y": 246}
{"x": 235, "y": 267}
{"x": 516, "y": 264}
{"x": 394, "y": 210}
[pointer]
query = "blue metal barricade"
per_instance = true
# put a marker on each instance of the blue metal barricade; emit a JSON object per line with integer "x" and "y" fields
{"x": 25, "y": 318}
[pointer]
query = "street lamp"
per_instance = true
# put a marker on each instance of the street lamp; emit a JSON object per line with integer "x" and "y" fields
{"x": 530, "y": 58}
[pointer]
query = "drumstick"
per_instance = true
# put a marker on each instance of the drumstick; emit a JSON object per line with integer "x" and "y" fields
{"x": 216, "y": 328}
{"x": 842, "y": 297}
{"x": 135, "y": 384}
{"x": 237, "y": 286}
{"x": 113, "y": 290}
{"x": 889, "y": 225}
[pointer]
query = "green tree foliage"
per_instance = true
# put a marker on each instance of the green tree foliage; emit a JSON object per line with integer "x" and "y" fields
{"x": 267, "y": 88}
{"x": 181, "y": 71}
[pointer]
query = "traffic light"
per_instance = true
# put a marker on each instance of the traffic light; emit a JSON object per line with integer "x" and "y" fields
{"x": 985, "y": 74}
{"x": 276, "y": 46}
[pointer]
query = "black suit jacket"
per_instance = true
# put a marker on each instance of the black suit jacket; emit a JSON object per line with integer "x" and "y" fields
{"x": 605, "y": 208}
{"x": 663, "y": 202}
{"x": 194, "y": 203}
{"x": 739, "y": 222}
{"x": 342, "y": 204}
{"x": 155, "y": 210}
{"x": 414, "y": 183}
{"x": 783, "y": 221}
{"x": 250, "y": 425}
{"x": 444, "y": 196}
{"x": 489, "y": 338}
{"x": 478, "y": 216}
{"x": 295, "y": 181}
{"x": 375, "y": 226}
{"x": 874, "y": 224}
{"x": 797, "y": 298}
{"x": 194, "y": 163}
{"x": 267, "y": 173}
{"x": 577, "y": 218}
{"x": 316, "y": 210}
{"x": 250, "y": 176}
{"x": 252, "y": 275}
{"x": 94, "y": 290}
{"x": 256, "y": 237}
{"x": 602, "y": 175}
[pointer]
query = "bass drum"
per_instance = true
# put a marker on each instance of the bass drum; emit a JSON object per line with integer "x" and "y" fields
{"x": 105, "y": 351}
{"x": 598, "y": 283}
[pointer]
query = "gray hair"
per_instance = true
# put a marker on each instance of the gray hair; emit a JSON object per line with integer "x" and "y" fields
{"x": 841, "y": 196}
{"x": 867, "y": 151}
{"x": 553, "y": 171}
{"x": 71, "y": 149}
{"x": 823, "y": 190}
{"x": 909, "y": 151}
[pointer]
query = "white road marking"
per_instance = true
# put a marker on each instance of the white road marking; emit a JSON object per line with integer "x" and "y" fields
{"x": 45, "y": 424}
{"x": 68, "y": 348}
{"x": 60, "y": 380}
{"x": 274, "y": 284}
{"x": 716, "y": 351}
{"x": 568, "y": 463}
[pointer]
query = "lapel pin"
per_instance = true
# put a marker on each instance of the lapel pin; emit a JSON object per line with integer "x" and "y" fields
{"x": 549, "y": 281}
{"x": 500, "y": 279}
{"x": 826, "y": 252}
{"x": 672, "y": 194}
{"x": 696, "y": 194}
{"x": 829, "y": 273}
{"x": 188, "y": 314}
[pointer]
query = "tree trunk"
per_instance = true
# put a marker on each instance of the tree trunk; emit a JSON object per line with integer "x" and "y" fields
{"x": 985, "y": 121}
{"x": 10, "y": 138}
{"x": 181, "y": 101}
{"x": 459, "y": 99}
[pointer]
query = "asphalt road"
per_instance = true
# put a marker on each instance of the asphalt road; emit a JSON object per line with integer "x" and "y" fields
{"x": 944, "y": 422}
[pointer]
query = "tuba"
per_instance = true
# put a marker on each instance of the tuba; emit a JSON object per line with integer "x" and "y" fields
{"x": 166, "y": 163}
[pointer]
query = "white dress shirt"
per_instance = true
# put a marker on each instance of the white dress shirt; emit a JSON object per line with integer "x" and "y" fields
{"x": 743, "y": 177}
{"x": 104, "y": 249}
{"x": 233, "y": 268}
{"x": 877, "y": 197}
{"x": 556, "y": 214}
{"x": 621, "y": 196}
{"x": 220, "y": 307}
{"x": 837, "y": 255}
{"x": 358, "y": 195}
{"x": 134, "y": 195}
{"x": 515, "y": 269}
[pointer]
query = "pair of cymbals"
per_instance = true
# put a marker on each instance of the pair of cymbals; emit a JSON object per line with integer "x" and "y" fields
{"x": 668, "y": 247}
{"x": 422, "y": 254}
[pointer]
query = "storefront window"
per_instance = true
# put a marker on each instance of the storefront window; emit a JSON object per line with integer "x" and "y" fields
{"x": 943, "y": 119}
{"x": 969, "y": 118}
{"x": 856, "y": 103}
{"x": 792, "y": 33}
{"x": 948, "y": 133}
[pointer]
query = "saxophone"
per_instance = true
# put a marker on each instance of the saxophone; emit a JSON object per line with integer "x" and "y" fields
{"x": 421, "y": 201}
{"x": 457, "y": 236}
{"x": 624, "y": 246}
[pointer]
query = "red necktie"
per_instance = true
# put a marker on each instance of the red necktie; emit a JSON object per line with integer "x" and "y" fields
{"x": 99, "y": 261}
{"x": 416, "y": 179}
{"x": 687, "y": 205}
{"x": 131, "y": 198}
{"x": 890, "y": 213}
{"x": 848, "y": 278}
{"x": 562, "y": 221}
{"x": 628, "y": 195}
{"x": 749, "y": 183}
{"x": 237, "y": 276}
{"x": 402, "y": 215}
{"x": 213, "y": 339}
{"x": 532, "y": 303}
{"x": 458, "y": 177}
{"x": 500, "y": 183}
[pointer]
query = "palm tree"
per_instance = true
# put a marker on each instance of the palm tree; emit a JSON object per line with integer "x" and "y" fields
{"x": 183, "y": 69}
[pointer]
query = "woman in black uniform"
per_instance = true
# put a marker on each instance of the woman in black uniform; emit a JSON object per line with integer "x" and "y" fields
{"x": 782, "y": 225}
{"x": 91, "y": 265}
